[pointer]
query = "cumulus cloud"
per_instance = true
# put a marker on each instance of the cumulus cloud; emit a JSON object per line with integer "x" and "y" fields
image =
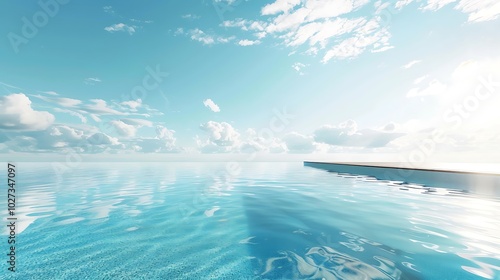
{"x": 348, "y": 134}
{"x": 298, "y": 143}
{"x": 16, "y": 113}
{"x": 211, "y": 105}
{"x": 124, "y": 129}
{"x": 221, "y": 134}
{"x": 224, "y": 138}
{"x": 120, "y": 27}
{"x": 63, "y": 138}
{"x": 164, "y": 142}
{"x": 252, "y": 142}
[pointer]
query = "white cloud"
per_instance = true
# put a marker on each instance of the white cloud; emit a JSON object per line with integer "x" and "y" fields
{"x": 435, "y": 5}
{"x": 297, "y": 66}
{"x": 411, "y": 64}
{"x": 484, "y": 10}
{"x": 72, "y": 113}
{"x": 92, "y": 81}
{"x": 141, "y": 21}
{"x": 420, "y": 79}
{"x": 206, "y": 39}
{"x": 298, "y": 143}
{"x": 200, "y": 36}
{"x": 246, "y": 25}
{"x": 279, "y": 6}
{"x": 211, "y": 105}
{"x": 108, "y": 9}
{"x": 235, "y": 23}
{"x": 382, "y": 49}
{"x": 190, "y": 16}
{"x": 221, "y": 134}
{"x": 132, "y": 104}
{"x": 320, "y": 32}
{"x": 367, "y": 36}
{"x": 137, "y": 122}
{"x": 348, "y": 134}
{"x": 10, "y": 86}
{"x": 62, "y": 101}
{"x": 124, "y": 129}
{"x": 225, "y": 2}
{"x": 477, "y": 10}
{"x": 179, "y": 31}
{"x": 120, "y": 27}
{"x": 260, "y": 35}
{"x": 50, "y": 92}
{"x": 64, "y": 138}
{"x": 16, "y": 113}
{"x": 434, "y": 87}
{"x": 401, "y": 3}
{"x": 246, "y": 42}
{"x": 99, "y": 107}
{"x": 164, "y": 142}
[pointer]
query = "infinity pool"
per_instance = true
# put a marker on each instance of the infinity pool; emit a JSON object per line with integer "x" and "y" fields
{"x": 245, "y": 221}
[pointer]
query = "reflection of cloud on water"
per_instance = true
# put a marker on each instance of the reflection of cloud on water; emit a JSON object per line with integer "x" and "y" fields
{"x": 327, "y": 263}
{"x": 37, "y": 202}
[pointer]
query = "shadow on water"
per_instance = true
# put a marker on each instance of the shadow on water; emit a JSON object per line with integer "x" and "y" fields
{"x": 288, "y": 241}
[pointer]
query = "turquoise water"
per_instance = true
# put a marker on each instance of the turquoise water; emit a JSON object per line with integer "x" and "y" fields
{"x": 250, "y": 221}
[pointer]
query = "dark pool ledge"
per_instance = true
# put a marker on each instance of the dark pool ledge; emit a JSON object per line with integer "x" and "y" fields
{"x": 484, "y": 183}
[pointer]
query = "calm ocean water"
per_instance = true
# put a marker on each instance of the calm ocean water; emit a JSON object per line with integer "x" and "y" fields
{"x": 267, "y": 221}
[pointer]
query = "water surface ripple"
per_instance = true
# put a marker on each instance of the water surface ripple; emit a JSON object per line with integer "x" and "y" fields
{"x": 269, "y": 221}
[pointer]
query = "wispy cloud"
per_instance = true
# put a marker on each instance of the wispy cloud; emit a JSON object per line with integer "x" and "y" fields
{"x": 211, "y": 105}
{"x": 137, "y": 122}
{"x": 10, "y": 86}
{"x": 190, "y": 16}
{"x": 120, "y": 27}
{"x": 206, "y": 39}
{"x": 109, "y": 10}
{"x": 132, "y": 104}
{"x": 434, "y": 87}
{"x": 477, "y": 10}
{"x": 141, "y": 21}
{"x": 411, "y": 64}
{"x": 92, "y": 81}
{"x": 49, "y": 92}
{"x": 319, "y": 26}
{"x": 61, "y": 101}
{"x": 297, "y": 66}
{"x": 72, "y": 113}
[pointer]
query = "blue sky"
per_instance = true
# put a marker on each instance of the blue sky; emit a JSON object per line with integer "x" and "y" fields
{"x": 270, "y": 77}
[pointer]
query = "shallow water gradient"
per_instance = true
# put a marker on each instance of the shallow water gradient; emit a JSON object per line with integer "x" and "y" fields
{"x": 253, "y": 221}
